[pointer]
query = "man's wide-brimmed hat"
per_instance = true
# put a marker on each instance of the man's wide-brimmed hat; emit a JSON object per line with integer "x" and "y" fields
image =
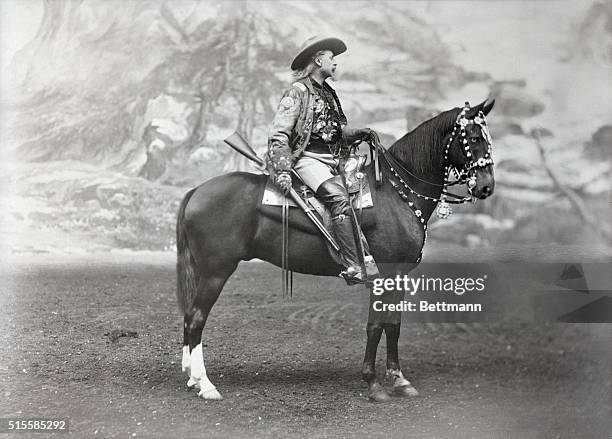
{"x": 313, "y": 45}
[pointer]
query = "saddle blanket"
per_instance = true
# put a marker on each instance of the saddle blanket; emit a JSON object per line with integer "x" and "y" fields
{"x": 273, "y": 196}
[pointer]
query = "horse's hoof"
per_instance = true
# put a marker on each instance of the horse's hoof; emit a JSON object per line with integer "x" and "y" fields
{"x": 378, "y": 394}
{"x": 211, "y": 394}
{"x": 406, "y": 390}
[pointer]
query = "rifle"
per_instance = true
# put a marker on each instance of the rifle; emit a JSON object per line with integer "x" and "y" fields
{"x": 237, "y": 142}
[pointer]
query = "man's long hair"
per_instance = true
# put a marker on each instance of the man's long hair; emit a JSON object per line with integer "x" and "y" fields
{"x": 310, "y": 67}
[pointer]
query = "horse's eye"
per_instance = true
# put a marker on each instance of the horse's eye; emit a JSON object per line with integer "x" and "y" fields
{"x": 474, "y": 139}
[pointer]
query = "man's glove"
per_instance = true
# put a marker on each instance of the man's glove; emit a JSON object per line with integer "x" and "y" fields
{"x": 283, "y": 180}
{"x": 354, "y": 135}
{"x": 368, "y": 135}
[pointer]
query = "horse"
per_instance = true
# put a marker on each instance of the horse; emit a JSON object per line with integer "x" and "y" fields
{"x": 222, "y": 222}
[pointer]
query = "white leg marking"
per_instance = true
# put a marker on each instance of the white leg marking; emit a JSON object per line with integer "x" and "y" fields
{"x": 186, "y": 361}
{"x": 400, "y": 383}
{"x": 198, "y": 375}
{"x": 398, "y": 378}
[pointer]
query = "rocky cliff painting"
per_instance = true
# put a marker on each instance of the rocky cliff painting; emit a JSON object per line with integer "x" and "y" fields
{"x": 112, "y": 110}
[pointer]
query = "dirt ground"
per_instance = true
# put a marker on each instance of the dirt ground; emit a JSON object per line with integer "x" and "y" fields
{"x": 287, "y": 367}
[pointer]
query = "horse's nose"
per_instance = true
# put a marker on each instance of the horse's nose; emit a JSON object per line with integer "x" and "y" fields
{"x": 486, "y": 191}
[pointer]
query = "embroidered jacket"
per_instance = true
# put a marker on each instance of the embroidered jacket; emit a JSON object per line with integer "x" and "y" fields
{"x": 292, "y": 124}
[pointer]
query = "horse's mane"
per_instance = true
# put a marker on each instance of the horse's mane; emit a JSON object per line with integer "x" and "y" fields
{"x": 422, "y": 147}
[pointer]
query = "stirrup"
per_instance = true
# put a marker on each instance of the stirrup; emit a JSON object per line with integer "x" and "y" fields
{"x": 353, "y": 276}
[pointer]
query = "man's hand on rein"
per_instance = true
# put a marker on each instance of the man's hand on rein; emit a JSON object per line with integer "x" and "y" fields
{"x": 356, "y": 135}
{"x": 366, "y": 134}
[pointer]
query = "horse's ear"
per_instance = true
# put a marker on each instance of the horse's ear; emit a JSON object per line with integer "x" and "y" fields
{"x": 472, "y": 112}
{"x": 487, "y": 106}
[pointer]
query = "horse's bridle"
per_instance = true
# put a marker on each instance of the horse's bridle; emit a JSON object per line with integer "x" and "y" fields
{"x": 462, "y": 122}
{"x": 465, "y": 174}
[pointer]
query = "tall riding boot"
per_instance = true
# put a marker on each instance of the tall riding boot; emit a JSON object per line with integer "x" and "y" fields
{"x": 344, "y": 232}
{"x": 333, "y": 193}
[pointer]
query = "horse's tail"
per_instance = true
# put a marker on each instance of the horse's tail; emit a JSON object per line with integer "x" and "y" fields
{"x": 185, "y": 273}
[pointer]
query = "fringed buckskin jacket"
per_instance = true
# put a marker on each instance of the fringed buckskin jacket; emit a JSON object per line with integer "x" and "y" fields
{"x": 292, "y": 124}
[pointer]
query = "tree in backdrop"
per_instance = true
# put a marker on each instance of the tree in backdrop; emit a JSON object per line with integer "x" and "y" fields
{"x": 92, "y": 69}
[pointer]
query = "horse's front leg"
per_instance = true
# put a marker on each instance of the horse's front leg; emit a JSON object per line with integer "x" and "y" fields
{"x": 376, "y": 391}
{"x": 401, "y": 386}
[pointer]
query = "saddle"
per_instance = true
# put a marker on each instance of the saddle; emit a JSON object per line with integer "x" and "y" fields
{"x": 360, "y": 195}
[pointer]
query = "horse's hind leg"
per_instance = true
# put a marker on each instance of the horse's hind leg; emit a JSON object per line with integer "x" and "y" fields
{"x": 208, "y": 290}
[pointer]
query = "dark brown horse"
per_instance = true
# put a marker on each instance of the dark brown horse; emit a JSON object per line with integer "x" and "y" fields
{"x": 222, "y": 222}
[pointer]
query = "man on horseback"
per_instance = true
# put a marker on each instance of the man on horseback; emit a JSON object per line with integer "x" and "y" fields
{"x": 309, "y": 134}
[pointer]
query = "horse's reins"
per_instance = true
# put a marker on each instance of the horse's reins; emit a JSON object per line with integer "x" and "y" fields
{"x": 394, "y": 165}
